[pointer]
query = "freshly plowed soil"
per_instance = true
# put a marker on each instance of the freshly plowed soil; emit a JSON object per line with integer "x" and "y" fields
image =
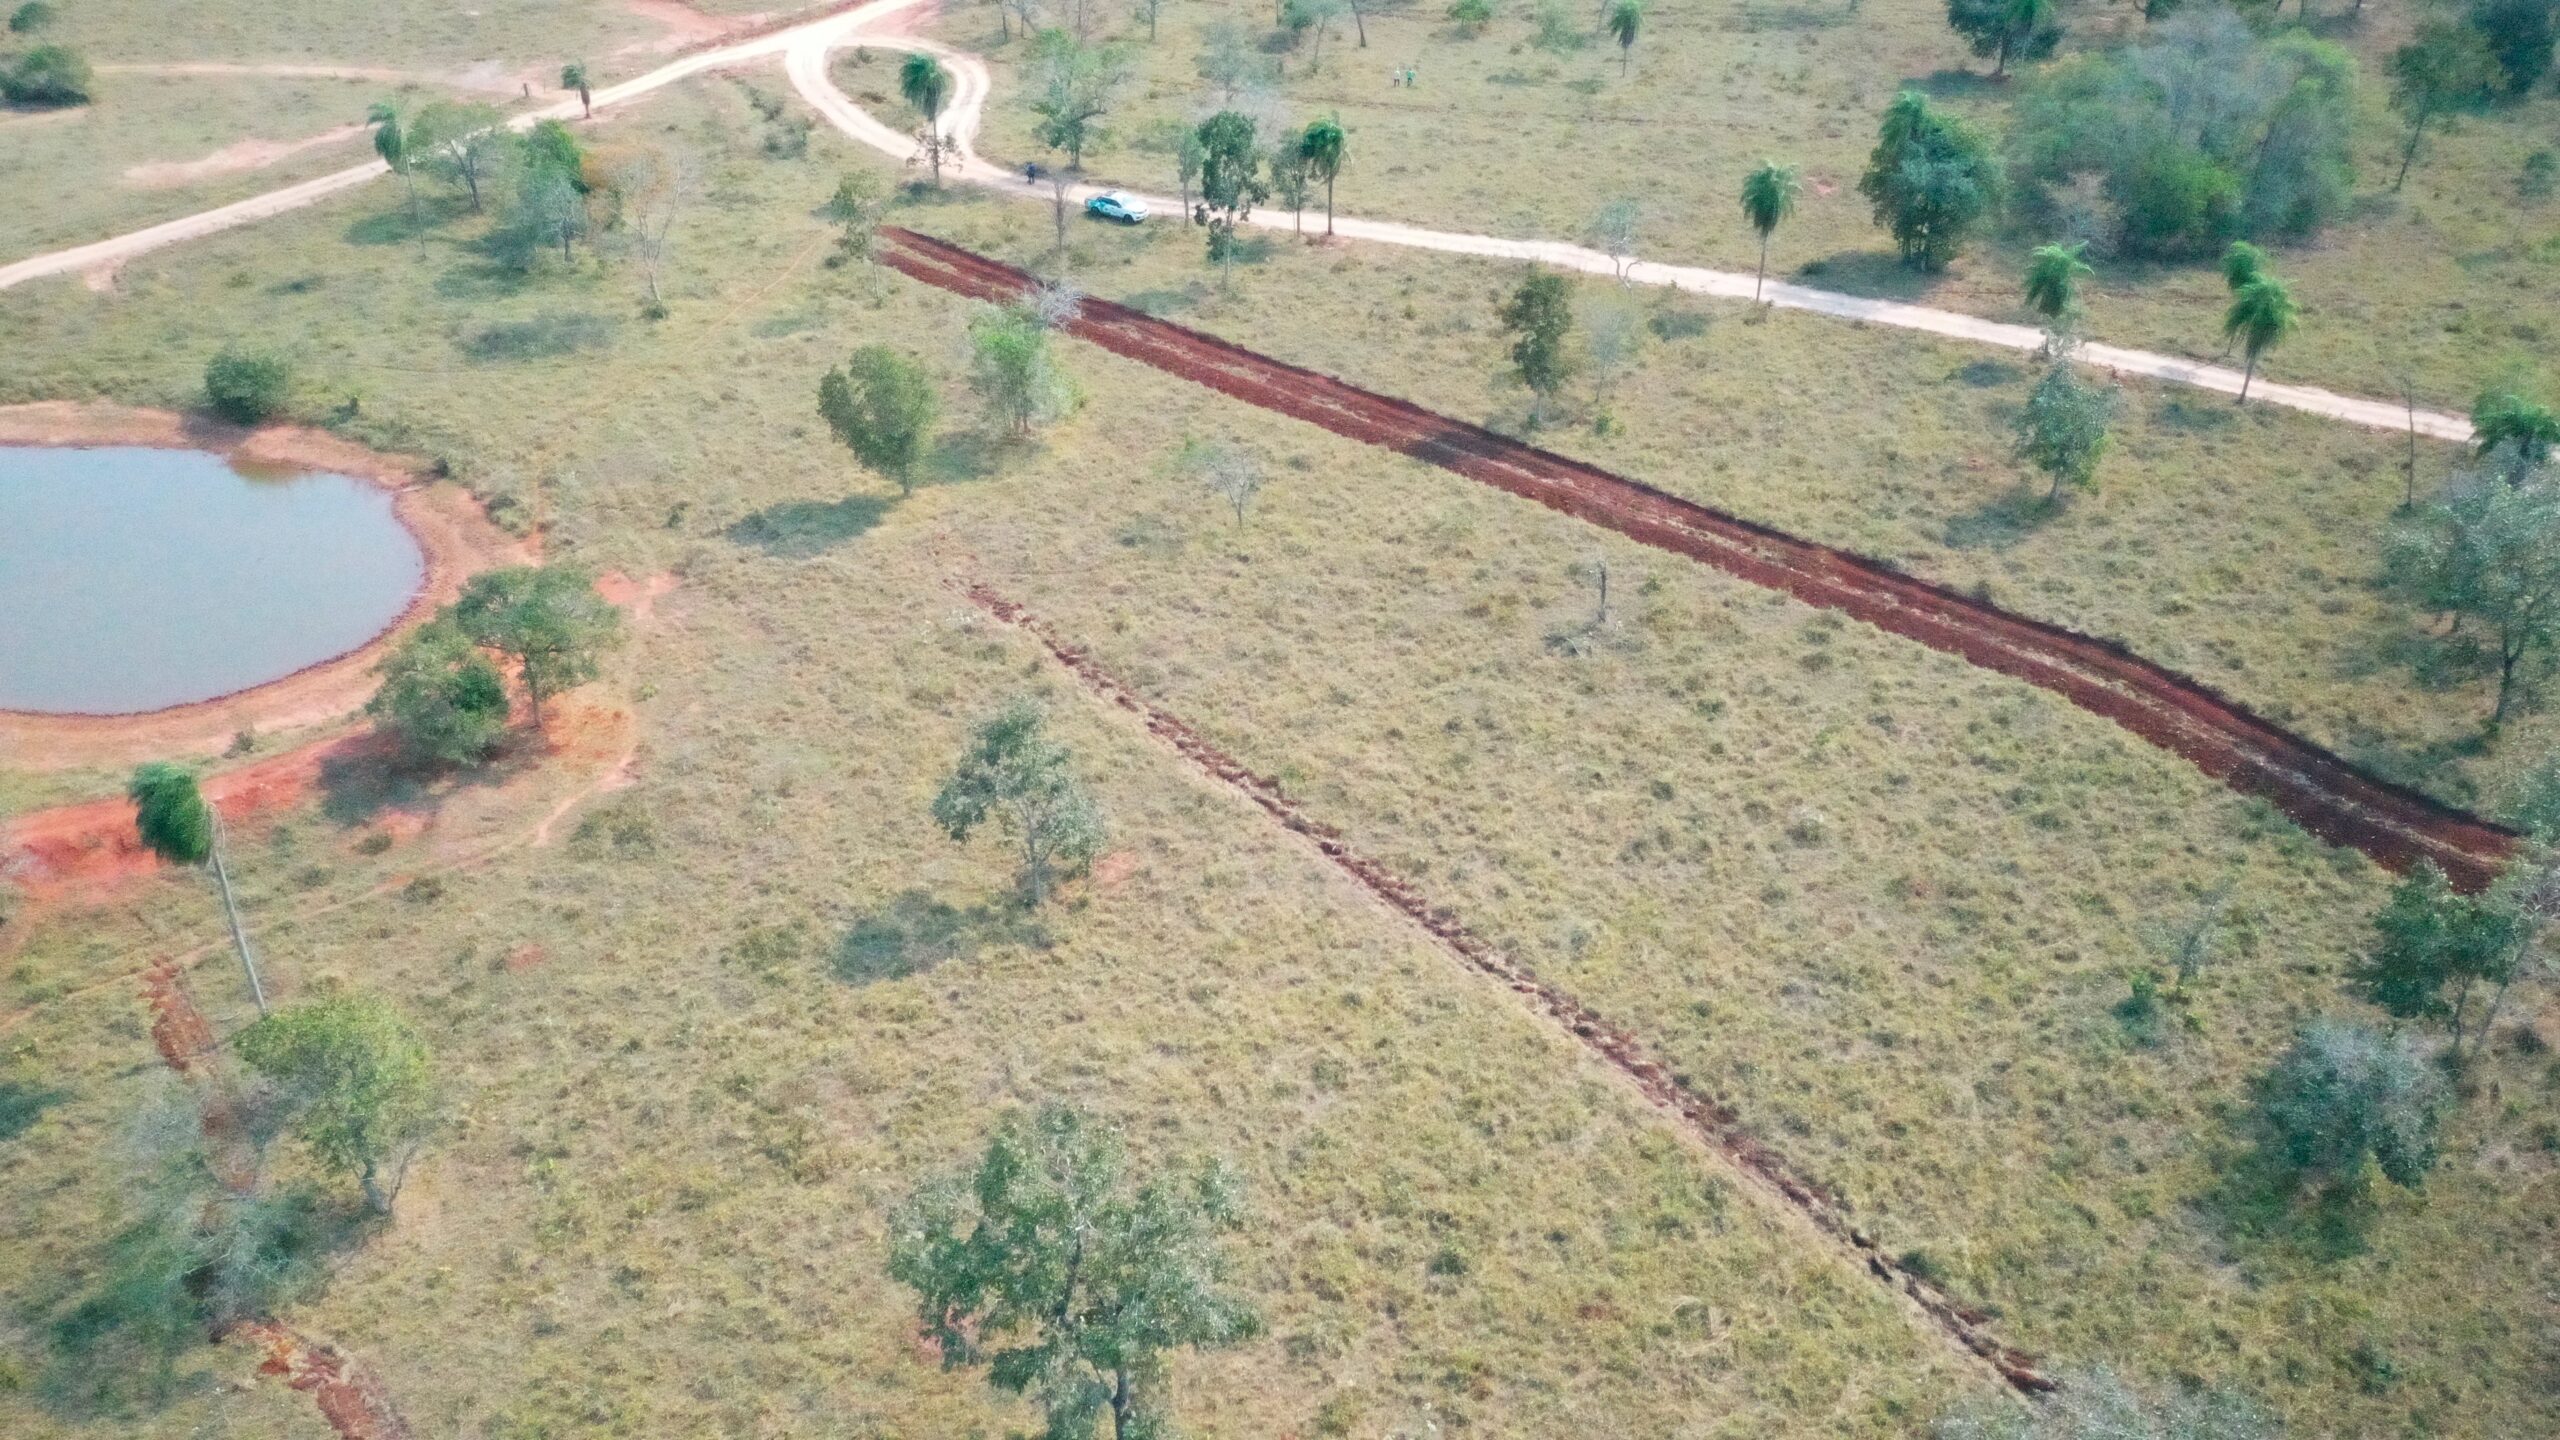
{"x": 2327, "y": 795}
{"x": 1712, "y": 1121}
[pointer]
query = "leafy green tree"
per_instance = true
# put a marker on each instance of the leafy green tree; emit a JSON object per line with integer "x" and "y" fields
{"x": 1291, "y": 183}
{"x": 1626, "y": 18}
{"x": 2054, "y": 273}
{"x": 2502, "y": 419}
{"x": 2345, "y": 1099}
{"x": 441, "y": 697}
{"x": 2520, "y": 34}
{"x": 1070, "y": 1281}
{"x": 2445, "y": 69}
{"x": 177, "y": 824}
{"x": 857, "y": 207}
{"x": 1074, "y": 85}
{"x": 1231, "y": 181}
{"x": 391, "y": 141}
{"x": 1014, "y": 776}
{"x": 2487, "y": 551}
{"x": 247, "y": 387}
{"x": 2243, "y": 265}
{"x": 2098, "y": 1404}
{"x": 2532, "y": 800}
{"x": 1322, "y": 148}
{"x": 1471, "y": 16}
{"x": 2436, "y": 952}
{"x": 573, "y": 76}
{"x": 1769, "y": 195}
{"x": 881, "y": 405}
{"x": 1310, "y": 19}
{"x": 2006, "y": 29}
{"x": 356, "y": 1084}
{"x": 31, "y": 17}
{"x": 48, "y": 75}
{"x": 548, "y": 619}
{"x": 552, "y": 146}
{"x": 1014, "y": 368}
{"x": 926, "y": 87}
{"x": 2261, "y": 316}
{"x": 462, "y": 144}
{"x": 1931, "y": 179}
{"x": 1538, "y": 317}
{"x": 2062, "y": 429}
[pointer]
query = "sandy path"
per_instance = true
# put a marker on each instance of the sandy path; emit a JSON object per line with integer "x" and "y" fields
{"x": 233, "y": 158}
{"x": 471, "y": 79}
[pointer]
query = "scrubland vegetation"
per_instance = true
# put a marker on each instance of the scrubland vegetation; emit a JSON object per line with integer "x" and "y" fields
{"x": 769, "y": 1070}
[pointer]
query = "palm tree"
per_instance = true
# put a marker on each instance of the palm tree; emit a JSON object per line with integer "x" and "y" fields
{"x": 573, "y": 76}
{"x": 176, "y": 824}
{"x": 1322, "y": 148}
{"x": 1768, "y": 196}
{"x": 2054, "y": 273}
{"x": 927, "y": 87}
{"x": 2503, "y": 417}
{"x": 1625, "y": 19}
{"x": 2262, "y": 314}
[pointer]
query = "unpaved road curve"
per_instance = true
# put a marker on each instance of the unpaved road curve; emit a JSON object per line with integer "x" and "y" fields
{"x": 805, "y": 47}
{"x": 2327, "y": 795}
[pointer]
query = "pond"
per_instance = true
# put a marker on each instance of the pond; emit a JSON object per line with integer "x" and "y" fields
{"x": 135, "y": 579}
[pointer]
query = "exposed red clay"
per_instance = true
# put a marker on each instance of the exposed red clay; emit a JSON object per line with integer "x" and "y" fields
{"x": 351, "y": 1399}
{"x": 178, "y": 1029}
{"x": 2327, "y": 795}
{"x": 1709, "y": 1119}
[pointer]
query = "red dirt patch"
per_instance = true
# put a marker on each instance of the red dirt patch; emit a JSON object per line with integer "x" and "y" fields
{"x": 453, "y": 531}
{"x": 527, "y": 956}
{"x": 352, "y": 1400}
{"x": 178, "y": 1029}
{"x": 1113, "y": 870}
{"x": 638, "y": 597}
{"x": 2324, "y": 793}
{"x": 1711, "y": 1120}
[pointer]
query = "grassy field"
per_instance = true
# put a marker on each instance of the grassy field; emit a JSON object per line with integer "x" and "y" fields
{"x": 2241, "y": 546}
{"x": 2453, "y": 279}
{"x": 1883, "y": 904}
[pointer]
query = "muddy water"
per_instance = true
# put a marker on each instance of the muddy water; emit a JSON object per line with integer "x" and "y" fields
{"x": 135, "y": 579}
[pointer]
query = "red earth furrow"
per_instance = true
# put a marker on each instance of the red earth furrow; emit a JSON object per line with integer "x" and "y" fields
{"x": 2328, "y": 795}
{"x": 1711, "y": 1120}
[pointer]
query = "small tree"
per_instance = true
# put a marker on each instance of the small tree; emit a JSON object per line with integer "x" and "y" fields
{"x": 31, "y": 17}
{"x": 246, "y": 387}
{"x": 1291, "y": 185}
{"x": 2519, "y": 33}
{"x": 1072, "y": 1283}
{"x": 441, "y": 697}
{"x": 1471, "y": 16}
{"x": 1932, "y": 180}
{"x": 2488, "y": 550}
{"x": 2006, "y": 29}
{"x": 2501, "y": 419}
{"x": 2062, "y": 429}
{"x": 1538, "y": 317}
{"x": 2345, "y": 1099}
{"x": 2436, "y": 953}
{"x": 1769, "y": 195}
{"x": 1613, "y": 233}
{"x": 392, "y": 141}
{"x": 1230, "y": 472}
{"x": 2261, "y": 316}
{"x": 881, "y": 405}
{"x": 1074, "y": 85}
{"x": 1014, "y": 775}
{"x": 177, "y": 824}
{"x": 1321, "y": 147}
{"x": 548, "y": 619}
{"x": 1626, "y": 19}
{"x": 1014, "y": 369}
{"x": 1612, "y": 329}
{"x": 926, "y": 86}
{"x": 857, "y": 207}
{"x": 460, "y": 144}
{"x": 650, "y": 189}
{"x": 1190, "y": 154}
{"x": 356, "y": 1084}
{"x": 1231, "y": 182}
{"x": 573, "y": 76}
{"x": 2446, "y": 69}
{"x": 1149, "y": 10}
{"x": 2054, "y": 273}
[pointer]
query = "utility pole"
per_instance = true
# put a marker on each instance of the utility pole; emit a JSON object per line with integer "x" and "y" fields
{"x": 231, "y": 911}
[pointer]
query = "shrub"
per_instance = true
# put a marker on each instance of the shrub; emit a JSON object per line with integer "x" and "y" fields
{"x": 1471, "y": 16}
{"x": 46, "y": 75}
{"x": 2346, "y": 1099}
{"x": 1931, "y": 179}
{"x": 2520, "y": 35}
{"x": 441, "y": 697}
{"x": 246, "y": 387}
{"x": 27, "y": 19}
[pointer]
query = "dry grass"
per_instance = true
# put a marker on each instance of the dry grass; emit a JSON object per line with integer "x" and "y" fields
{"x": 1882, "y": 903}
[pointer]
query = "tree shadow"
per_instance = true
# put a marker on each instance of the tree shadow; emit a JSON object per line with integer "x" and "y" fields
{"x": 961, "y": 456}
{"x": 1164, "y": 301}
{"x": 2259, "y": 1206}
{"x": 2191, "y": 417}
{"x": 1877, "y": 273}
{"x": 1988, "y": 374}
{"x": 1753, "y": 17}
{"x": 549, "y": 335}
{"x": 1957, "y": 84}
{"x": 360, "y": 782}
{"x": 2002, "y": 521}
{"x": 22, "y": 1104}
{"x": 915, "y": 934}
{"x": 805, "y": 529}
{"x": 398, "y": 225}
